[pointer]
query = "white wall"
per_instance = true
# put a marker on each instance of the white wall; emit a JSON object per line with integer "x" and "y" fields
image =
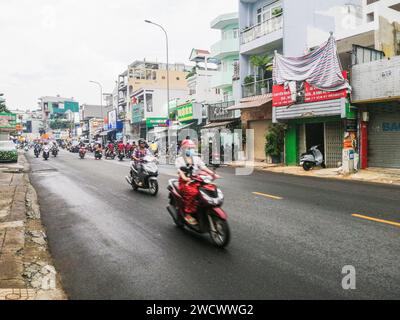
{"x": 160, "y": 106}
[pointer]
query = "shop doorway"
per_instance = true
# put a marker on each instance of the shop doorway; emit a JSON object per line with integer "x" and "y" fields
{"x": 315, "y": 136}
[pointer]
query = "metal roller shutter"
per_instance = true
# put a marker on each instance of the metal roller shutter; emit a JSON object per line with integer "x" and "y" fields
{"x": 384, "y": 137}
{"x": 334, "y": 135}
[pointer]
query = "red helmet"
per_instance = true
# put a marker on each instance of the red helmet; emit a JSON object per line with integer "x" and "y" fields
{"x": 188, "y": 144}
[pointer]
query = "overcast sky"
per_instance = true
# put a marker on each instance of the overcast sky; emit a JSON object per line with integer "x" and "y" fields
{"x": 50, "y": 47}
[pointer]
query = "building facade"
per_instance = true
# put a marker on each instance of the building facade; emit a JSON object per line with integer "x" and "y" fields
{"x": 291, "y": 29}
{"x": 148, "y": 95}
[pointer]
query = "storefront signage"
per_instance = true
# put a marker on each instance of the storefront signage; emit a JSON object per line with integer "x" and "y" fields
{"x": 282, "y": 97}
{"x": 137, "y": 113}
{"x": 156, "y": 122}
{"x": 391, "y": 127}
{"x": 112, "y": 119}
{"x": 351, "y": 125}
{"x": 219, "y": 112}
{"x": 8, "y": 121}
{"x": 185, "y": 112}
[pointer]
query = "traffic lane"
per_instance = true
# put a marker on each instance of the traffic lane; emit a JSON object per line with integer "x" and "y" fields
{"x": 348, "y": 197}
{"x": 325, "y": 233}
{"x": 197, "y": 269}
{"x": 278, "y": 248}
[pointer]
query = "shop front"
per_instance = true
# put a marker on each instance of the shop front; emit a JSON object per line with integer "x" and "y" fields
{"x": 379, "y": 111}
{"x": 320, "y": 124}
{"x": 383, "y": 135}
{"x": 256, "y": 114}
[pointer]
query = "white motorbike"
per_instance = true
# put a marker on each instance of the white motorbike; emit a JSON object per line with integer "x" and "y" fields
{"x": 313, "y": 158}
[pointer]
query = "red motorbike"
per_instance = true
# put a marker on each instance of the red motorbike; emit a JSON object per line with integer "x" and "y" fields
{"x": 82, "y": 152}
{"x": 210, "y": 216}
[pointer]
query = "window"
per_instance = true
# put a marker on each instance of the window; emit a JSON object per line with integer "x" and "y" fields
{"x": 235, "y": 33}
{"x": 371, "y": 17}
{"x": 267, "y": 12}
{"x": 149, "y": 102}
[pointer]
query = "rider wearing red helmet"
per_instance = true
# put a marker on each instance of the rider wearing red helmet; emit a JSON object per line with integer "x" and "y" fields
{"x": 188, "y": 188}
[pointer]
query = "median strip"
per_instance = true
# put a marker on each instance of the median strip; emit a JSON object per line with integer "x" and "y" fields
{"x": 267, "y": 196}
{"x": 392, "y": 223}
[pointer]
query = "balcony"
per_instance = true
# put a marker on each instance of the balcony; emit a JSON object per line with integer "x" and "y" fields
{"x": 261, "y": 34}
{"x": 257, "y": 88}
{"x": 225, "y": 48}
{"x": 222, "y": 80}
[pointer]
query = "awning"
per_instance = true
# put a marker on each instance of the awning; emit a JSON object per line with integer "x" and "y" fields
{"x": 218, "y": 124}
{"x": 252, "y": 102}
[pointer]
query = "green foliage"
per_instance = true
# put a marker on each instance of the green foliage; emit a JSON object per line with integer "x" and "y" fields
{"x": 3, "y": 108}
{"x": 60, "y": 124}
{"x": 8, "y": 156}
{"x": 264, "y": 62}
{"x": 274, "y": 140}
{"x": 249, "y": 80}
{"x": 277, "y": 11}
{"x": 191, "y": 73}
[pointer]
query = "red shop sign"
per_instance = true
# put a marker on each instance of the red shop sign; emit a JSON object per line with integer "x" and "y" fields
{"x": 282, "y": 97}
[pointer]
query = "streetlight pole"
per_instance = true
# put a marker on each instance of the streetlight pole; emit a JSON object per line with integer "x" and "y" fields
{"x": 166, "y": 37}
{"x": 101, "y": 96}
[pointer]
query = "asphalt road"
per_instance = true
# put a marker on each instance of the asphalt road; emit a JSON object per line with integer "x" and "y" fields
{"x": 292, "y": 242}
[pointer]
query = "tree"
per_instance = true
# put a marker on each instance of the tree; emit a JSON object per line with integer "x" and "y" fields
{"x": 3, "y": 107}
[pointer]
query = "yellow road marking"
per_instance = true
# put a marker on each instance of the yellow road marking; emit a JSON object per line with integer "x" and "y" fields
{"x": 392, "y": 223}
{"x": 267, "y": 196}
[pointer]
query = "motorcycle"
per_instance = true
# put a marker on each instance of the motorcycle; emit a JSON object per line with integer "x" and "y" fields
{"x": 46, "y": 153}
{"x": 121, "y": 155}
{"x": 313, "y": 158}
{"x": 54, "y": 152}
{"x": 82, "y": 152}
{"x": 110, "y": 154}
{"x": 148, "y": 181}
{"x": 210, "y": 216}
{"x": 37, "y": 152}
{"x": 98, "y": 155}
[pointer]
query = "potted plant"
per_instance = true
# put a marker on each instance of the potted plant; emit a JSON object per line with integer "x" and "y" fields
{"x": 276, "y": 12}
{"x": 264, "y": 63}
{"x": 274, "y": 142}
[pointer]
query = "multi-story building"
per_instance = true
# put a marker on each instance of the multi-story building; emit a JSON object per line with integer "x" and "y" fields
{"x": 148, "y": 95}
{"x": 59, "y": 113}
{"x": 226, "y": 53}
{"x": 285, "y": 27}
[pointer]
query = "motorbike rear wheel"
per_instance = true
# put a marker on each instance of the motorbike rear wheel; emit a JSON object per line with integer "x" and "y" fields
{"x": 307, "y": 166}
{"x": 222, "y": 234}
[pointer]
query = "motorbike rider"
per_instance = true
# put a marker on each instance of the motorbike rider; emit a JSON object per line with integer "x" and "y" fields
{"x": 110, "y": 148}
{"x": 128, "y": 148}
{"x": 98, "y": 149}
{"x": 121, "y": 147}
{"x": 188, "y": 188}
{"x": 140, "y": 152}
{"x": 38, "y": 147}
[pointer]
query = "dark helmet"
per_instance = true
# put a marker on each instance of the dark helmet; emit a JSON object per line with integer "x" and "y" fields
{"x": 141, "y": 141}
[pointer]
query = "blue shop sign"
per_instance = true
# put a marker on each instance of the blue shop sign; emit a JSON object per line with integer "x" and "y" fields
{"x": 391, "y": 127}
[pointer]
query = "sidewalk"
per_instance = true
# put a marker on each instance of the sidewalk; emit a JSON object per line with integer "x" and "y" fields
{"x": 375, "y": 175}
{"x": 26, "y": 271}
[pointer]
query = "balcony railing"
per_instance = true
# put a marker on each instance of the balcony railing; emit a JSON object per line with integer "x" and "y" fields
{"x": 262, "y": 29}
{"x": 257, "y": 88}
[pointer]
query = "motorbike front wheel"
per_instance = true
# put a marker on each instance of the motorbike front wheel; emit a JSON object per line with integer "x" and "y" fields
{"x": 153, "y": 184}
{"x": 222, "y": 234}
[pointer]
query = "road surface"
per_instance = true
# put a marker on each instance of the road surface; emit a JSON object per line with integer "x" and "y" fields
{"x": 291, "y": 236}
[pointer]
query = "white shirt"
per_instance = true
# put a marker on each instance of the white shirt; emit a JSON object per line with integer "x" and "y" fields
{"x": 198, "y": 164}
